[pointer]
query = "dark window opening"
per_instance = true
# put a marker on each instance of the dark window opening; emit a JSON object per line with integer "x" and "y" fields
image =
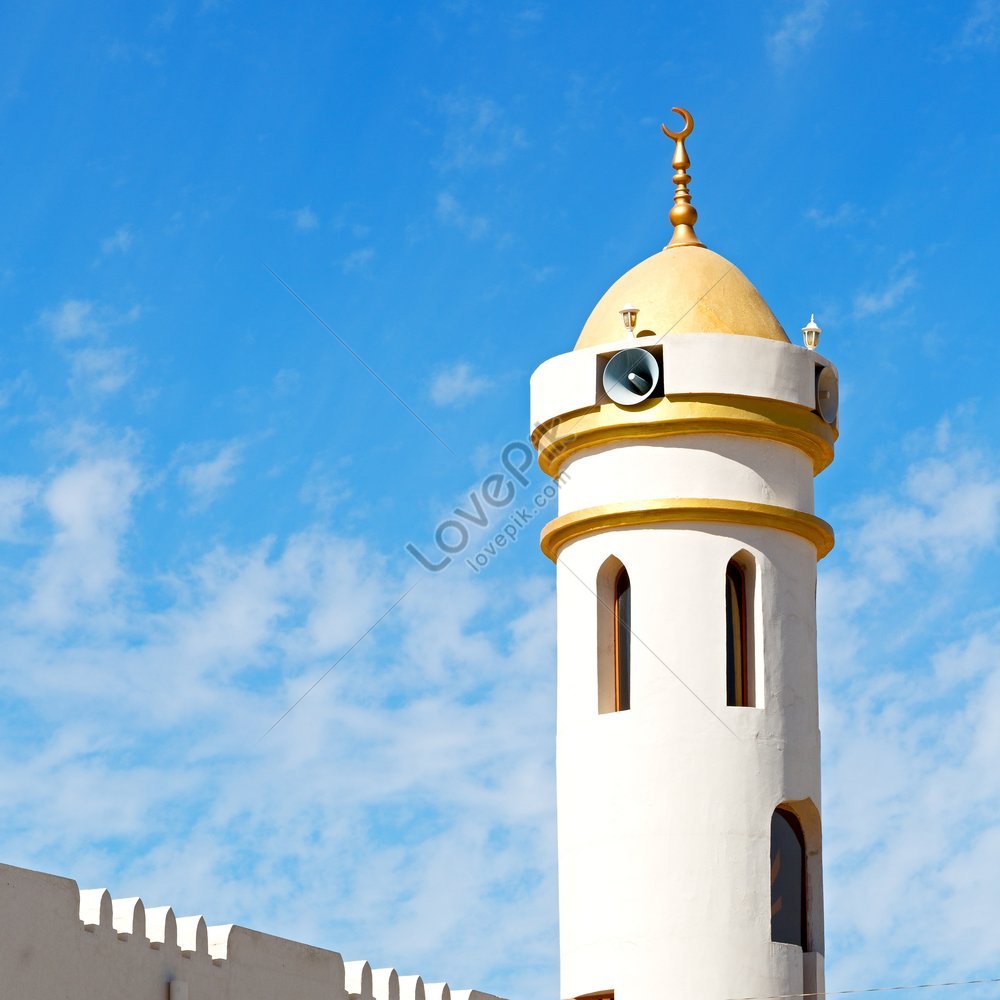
{"x": 737, "y": 638}
{"x": 788, "y": 879}
{"x": 623, "y": 640}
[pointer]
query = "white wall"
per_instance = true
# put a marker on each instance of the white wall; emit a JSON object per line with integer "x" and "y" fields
{"x": 57, "y": 943}
{"x": 696, "y": 465}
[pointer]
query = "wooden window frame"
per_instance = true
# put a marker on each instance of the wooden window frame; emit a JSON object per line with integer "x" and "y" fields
{"x": 622, "y": 663}
{"x": 738, "y": 690}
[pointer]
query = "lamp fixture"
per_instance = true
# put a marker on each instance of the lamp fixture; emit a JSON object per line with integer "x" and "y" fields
{"x": 811, "y": 332}
{"x": 629, "y": 313}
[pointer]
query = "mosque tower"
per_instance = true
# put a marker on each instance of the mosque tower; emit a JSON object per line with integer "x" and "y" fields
{"x": 684, "y": 431}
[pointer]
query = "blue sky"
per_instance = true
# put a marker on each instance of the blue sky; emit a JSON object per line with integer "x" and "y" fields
{"x": 205, "y": 498}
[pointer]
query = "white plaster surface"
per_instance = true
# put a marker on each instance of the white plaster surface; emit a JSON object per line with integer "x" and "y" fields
{"x": 692, "y": 465}
{"x": 693, "y": 364}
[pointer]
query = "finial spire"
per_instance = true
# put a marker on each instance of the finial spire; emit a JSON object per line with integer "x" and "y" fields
{"x": 683, "y": 215}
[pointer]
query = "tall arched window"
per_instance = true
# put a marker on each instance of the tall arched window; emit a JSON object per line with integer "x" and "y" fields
{"x": 788, "y": 879}
{"x": 739, "y": 689}
{"x": 614, "y": 637}
{"x": 623, "y": 640}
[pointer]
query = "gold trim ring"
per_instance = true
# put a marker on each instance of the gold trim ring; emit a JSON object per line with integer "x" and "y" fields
{"x": 559, "y": 439}
{"x": 570, "y": 527}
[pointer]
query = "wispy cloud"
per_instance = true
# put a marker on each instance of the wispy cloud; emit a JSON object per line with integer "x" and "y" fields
{"x": 120, "y": 51}
{"x": 164, "y": 20}
{"x": 324, "y": 488}
{"x": 841, "y": 215}
{"x": 120, "y": 241}
{"x": 304, "y": 219}
{"x": 478, "y": 133}
{"x": 82, "y": 328}
{"x": 450, "y": 212}
{"x": 399, "y": 768}
{"x": 14, "y": 387}
{"x": 457, "y": 385}
{"x": 910, "y": 638}
{"x": 16, "y": 492}
{"x": 358, "y": 260}
{"x": 981, "y": 27}
{"x": 71, "y": 319}
{"x": 207, "y": 479}
{"x": 103, "y": 369}
{"x": 879, "y": 300}
{"x": 796, "y": 31}
{"x": 89, "y": 504}
{"x": 286, "y": 381}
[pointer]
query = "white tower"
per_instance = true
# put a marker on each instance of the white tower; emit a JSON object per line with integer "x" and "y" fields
{"x": 686, "y": 545}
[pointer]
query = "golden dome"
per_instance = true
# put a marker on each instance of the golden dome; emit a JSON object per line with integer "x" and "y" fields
{"x": 682, "y": 289}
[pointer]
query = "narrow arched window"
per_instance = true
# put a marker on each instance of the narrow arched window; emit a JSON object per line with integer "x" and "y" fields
{"x": 623, "y": 640}
{"x": 738, "y": 686}
{"x": 788, "y": 879}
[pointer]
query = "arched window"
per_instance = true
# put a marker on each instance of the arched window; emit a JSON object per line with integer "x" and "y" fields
{"x": 788, "y": 879}
{"x": 614, "y": 637}
{"x": 623, "y": 640}
{"x": 739, "y": 688}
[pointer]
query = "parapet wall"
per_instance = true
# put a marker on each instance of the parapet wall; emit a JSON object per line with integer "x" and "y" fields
{"x": 60, "y": 943}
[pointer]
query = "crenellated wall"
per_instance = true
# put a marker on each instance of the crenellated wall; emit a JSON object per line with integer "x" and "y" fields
{"x": 60, "y": 943}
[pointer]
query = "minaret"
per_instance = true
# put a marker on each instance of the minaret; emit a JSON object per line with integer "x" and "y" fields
{"x": 684, "y": 431}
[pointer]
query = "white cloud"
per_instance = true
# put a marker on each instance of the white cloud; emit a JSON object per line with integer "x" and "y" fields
{"x": 206, "y": 480}
{"x": 16, "y": 492}
{"x": 71, "y": 319}
{"x": 981, "y": 27}
{"x": 478, "y": 133}
{"x": 451, "y": 213}
{"x": 102, "y": 369}
{"x": 120, "y": 241}
{"x": 909, "y": 639}
{"x": 948, "y": 507}
{"x": 305, "y": 219}
{"x": 83, "y": 328}
{"x": 164, "y": 21}
{"x": 389, "y": 815}
{"x": 457, "y": 385}
{"x": 796, "y": 31}
{"x": 842, "y": 214}
{"x": 890, "y": 295}
{"x": 90, "y": 507}
{"x": 357, "y": 260}
{"x": 324, "y": 488}
{"x": 286, "y": 381}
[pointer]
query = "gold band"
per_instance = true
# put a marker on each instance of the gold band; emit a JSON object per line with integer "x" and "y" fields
{"x": 569, "y": 527}
{"x": 557, "y": 440}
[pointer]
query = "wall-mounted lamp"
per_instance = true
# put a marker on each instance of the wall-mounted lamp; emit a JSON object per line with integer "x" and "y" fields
{"x": 629, "y": 314}
{"x": 811, "y": 332}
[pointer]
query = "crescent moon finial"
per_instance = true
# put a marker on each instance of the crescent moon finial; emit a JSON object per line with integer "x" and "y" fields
{"x": 684, "y": 132}
{"x": 683, "y": 215}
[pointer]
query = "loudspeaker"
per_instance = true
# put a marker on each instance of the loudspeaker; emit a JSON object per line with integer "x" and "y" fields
{"x": 827, "y": 394}
{"x": 630, "y": 376}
